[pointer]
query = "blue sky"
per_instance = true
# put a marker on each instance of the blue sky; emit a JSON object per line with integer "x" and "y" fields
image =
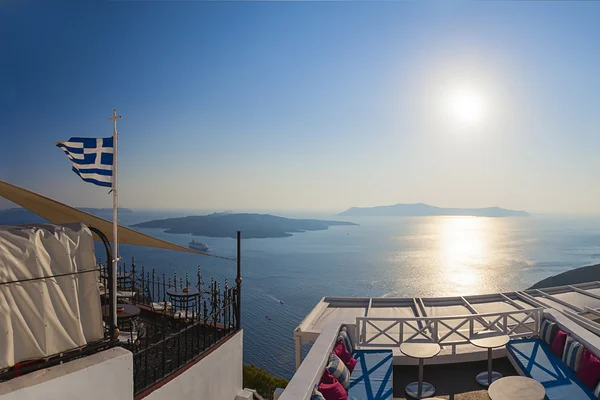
{"x": 306, "y": 105}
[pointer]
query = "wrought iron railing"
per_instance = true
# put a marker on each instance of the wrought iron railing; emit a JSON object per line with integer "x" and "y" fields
{"x": 170, "y": 344}
{"x": 172, "y": 331}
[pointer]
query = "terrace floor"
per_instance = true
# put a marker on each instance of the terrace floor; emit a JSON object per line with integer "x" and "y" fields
{"x": 452, "y": 381}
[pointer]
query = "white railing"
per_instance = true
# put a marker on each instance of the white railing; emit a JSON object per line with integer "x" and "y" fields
{"x": 386, "y": 332}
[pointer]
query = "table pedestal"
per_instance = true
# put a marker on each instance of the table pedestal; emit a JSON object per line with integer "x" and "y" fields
{"x": 488, "y": 377}
{"x": 420, "y": 389}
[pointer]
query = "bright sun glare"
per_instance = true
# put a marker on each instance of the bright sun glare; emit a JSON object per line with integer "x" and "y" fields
{"x": 466, "y": 106}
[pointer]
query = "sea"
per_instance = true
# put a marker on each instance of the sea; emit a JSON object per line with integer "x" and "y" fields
{"x": 284, "y": 278}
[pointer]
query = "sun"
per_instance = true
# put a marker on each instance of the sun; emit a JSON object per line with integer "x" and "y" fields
{"x": 465, "y": 105}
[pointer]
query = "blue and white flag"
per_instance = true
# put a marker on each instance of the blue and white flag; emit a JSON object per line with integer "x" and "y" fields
{"x": 92, "y": 158}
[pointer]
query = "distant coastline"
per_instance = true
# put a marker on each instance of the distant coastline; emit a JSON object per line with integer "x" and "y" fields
{"x": 425, "y": 210}
{"x": 252, "y": 225}
{"x": 19, "y": 216}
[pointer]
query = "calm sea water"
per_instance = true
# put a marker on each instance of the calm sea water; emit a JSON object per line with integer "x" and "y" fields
{"x": 418, "y": 256}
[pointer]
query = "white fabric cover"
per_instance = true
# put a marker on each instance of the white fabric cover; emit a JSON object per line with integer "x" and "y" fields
{"x": 42, "y": 318}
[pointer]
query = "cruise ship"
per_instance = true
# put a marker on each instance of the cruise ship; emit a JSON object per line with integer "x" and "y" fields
{"x": 198, "y": 246}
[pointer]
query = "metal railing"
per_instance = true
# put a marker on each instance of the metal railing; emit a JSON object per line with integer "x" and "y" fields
{"x": 386, "y": 332}
{"x": 169, "y": 344}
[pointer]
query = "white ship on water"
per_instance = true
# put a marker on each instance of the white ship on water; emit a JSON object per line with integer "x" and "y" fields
{"x": 198, "y": 246}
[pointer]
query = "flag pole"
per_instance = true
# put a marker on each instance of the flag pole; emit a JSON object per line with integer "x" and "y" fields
{"x": 115, "y": 246}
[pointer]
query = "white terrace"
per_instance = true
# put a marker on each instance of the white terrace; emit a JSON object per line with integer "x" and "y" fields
{"x": 383, "y": 323}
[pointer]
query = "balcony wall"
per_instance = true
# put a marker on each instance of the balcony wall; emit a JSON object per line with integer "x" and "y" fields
{"x": 101, "y": 376}
{"x": 217, "y": 375}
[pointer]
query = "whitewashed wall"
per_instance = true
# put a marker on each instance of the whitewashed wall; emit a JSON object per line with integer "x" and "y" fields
{"x": 218, "y": 376}
{"x": 102, "y": 376}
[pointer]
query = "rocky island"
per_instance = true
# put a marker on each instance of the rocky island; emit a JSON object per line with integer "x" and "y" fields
{"x": 252, "y": 225}
{"x": 423, "y": 210}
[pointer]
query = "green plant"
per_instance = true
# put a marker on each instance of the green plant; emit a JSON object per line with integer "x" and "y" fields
{"x": 261, "y": 381}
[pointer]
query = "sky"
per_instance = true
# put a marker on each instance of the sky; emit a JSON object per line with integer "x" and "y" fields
{"x": 307, "y": 105}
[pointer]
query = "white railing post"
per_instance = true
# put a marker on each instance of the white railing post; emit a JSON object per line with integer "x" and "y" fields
{"x": 471, "y": 327}
{"x": 401, "y": 331}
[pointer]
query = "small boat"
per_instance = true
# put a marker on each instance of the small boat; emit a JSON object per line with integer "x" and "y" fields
{"x": 268, "y": 318}
{"x": 198, "y": 245}
{"x": 280, "y": 301}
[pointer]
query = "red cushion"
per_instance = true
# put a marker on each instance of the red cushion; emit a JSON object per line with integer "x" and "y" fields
{"x": 341, "y": 351}
{"x": 589, "y": 370}
{"x": 327, "y": 378}
{"x": 333, "y": 391}
{"x": 558, "y": 344}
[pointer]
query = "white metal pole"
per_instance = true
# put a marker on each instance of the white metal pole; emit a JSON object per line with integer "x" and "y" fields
{"x": 115, "y": 246}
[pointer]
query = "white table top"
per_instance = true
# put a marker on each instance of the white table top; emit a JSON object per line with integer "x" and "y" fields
{"x": 516, "y": 388}
{"x": 489, "y": 339}
{"x": 420, "y": 349}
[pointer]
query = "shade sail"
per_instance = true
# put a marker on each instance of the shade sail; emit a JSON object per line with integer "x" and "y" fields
{"x": 59, "y": 213}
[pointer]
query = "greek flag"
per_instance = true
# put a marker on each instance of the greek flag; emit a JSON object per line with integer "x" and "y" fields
{"x": 92, "y": 158}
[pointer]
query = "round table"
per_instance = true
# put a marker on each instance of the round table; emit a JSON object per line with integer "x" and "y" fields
{"x": 191, "y": 292}
{"x": 184, "y": 302}
{"x": 489, "y": 340}
{"x": 420, "y": 350}
{"x": 516, "y": 388}
{"x": 128, "y": 311}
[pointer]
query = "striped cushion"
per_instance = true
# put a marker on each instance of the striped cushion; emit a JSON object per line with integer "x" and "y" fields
{"x": 344, "y": 336}
{"x": 547, "y": 331}
{"x": 316, "y": 395}
{"x": 572, "y": 353}
{"x": 597, "y": 391}
{"x": 339, "y": 371}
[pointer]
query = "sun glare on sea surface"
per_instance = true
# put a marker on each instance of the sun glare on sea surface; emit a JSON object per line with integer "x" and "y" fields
{"x": 463, "y": 247}
{"x": 465, "y": 105}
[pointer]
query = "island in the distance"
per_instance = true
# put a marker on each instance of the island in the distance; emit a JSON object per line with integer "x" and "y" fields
{"x": 422, "y": 210}
{"x": 251, "y": 225}
{"x": 18, "y": 215}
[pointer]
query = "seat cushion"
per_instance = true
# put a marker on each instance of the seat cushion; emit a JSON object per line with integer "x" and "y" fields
{"x": 333, "y": 391}
{"x": 547, "y": 331}
{"x": 558, "y": 344}
{"x": 589, "y": 370}
{"x": 344, "y": 336}
{"x": 535, "y": 359}
{"x": 372, "y": 375}
{"x": 573, "y": 353}
{"x": 340, "y": 351}
{"x": 316, "y": 395}
{"x": 339, "y": 371}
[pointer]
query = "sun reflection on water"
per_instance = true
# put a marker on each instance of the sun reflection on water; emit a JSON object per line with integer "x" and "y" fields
{"x": 463, "y": 249}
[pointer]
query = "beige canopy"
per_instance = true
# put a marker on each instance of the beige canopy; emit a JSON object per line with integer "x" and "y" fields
{"x": 58, "y": 213}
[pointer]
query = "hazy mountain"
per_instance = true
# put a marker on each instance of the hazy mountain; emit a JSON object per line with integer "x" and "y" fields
{"x": 252, "y": 225}
{"x": 420, "y": 209}
{"x": 19, "y": 216}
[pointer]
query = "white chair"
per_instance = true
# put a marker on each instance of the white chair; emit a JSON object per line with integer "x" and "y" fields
{"x": 184, "y": 314}
{"x": 124, "y": 294}
{"x": 161, "y": 306}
